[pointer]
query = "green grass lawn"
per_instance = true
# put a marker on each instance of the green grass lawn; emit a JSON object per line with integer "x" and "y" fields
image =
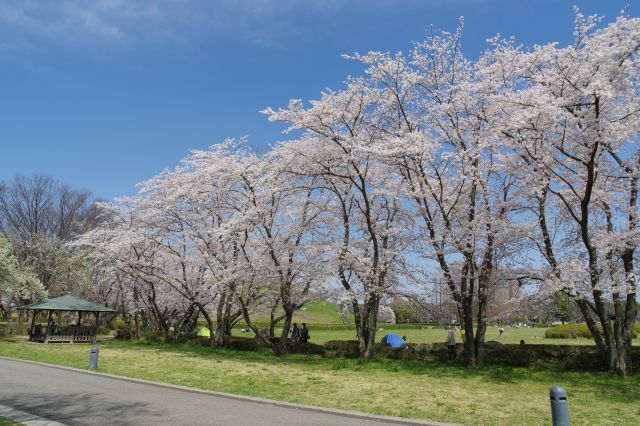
{"x": 316, "y": 311}
{"x": 8, "y": 422}
{"x": 490, "y": 395}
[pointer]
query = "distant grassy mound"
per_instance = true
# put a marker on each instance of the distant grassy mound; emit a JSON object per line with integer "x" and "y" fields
{"x": 320, "y": 312}
{"x": 315, "y": 312}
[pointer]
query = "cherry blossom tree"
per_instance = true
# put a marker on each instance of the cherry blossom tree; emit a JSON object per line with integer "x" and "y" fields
{"x": 574, "y": 123}
{"x": 386, "y": 315}
{"x": 127, "y": 266}
{"x": 432, "y": 121}
{"x": 288, "y": 210}
{"x": 366, "y": 232}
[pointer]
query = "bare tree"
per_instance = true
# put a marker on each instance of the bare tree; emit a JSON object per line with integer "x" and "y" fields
{"x": 41, "y": 214}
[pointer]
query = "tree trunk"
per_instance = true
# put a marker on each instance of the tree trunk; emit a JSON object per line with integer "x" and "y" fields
{"x": 136, "y": 326}
{"x": 618, "y": 330}
{"x": 483, "y": 296}
{"x": 281, "y": 348}
{"x": 466, "y": 298}
{"x": 366, "y": 327}
{"x": 469, "y": 344}
{"x": 210, "y": 324}
{"x": 247, "y": 319}
{"x": 9, "y": 320}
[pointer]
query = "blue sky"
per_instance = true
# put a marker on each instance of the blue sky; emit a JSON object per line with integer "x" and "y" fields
{"x": 102, "y": 94}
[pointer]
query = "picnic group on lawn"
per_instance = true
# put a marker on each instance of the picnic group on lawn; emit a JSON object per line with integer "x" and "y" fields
{"x": 300, "y": 334}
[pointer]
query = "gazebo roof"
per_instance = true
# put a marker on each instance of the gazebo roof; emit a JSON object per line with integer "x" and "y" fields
{"x": 67, "y": 303}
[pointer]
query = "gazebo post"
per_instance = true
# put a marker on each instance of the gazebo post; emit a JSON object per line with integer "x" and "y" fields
{"x": 95, "y": 330}
{"x": 76, "y": 331}
{"x": 46, "y": 338}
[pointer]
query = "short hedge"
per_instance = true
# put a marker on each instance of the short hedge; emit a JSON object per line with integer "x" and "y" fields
{"x": 573, "y": 331}
{"x": 570, "y": 357}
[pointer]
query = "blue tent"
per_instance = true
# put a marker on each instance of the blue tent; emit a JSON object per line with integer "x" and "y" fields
{"x": 394, "y": 341}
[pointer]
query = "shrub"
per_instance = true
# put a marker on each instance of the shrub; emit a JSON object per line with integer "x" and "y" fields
{"x": 241, "y": 343}
{"x": 17, "y": 329}
{"x": 122, "y": 330}
{"x": 514, "y": 355}
{"x": 305, "y": 348}
{"x": 573, "y": 331}
{"x": 342, "y": 348}
{"x": 634, "y": 358}
{"x": 564, "y": 331}
{"x": 152, "y": 336}
{"x": 582, "y": 358}
{"x": 191, "y": 339}
{"x": 122, "y": 334}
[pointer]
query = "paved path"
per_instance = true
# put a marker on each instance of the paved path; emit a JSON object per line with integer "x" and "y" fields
{"x": 76, "y": 397}
{"x": 26, "y": 418}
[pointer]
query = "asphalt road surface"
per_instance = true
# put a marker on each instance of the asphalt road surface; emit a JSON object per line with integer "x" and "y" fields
{"x": 74, "y": 397}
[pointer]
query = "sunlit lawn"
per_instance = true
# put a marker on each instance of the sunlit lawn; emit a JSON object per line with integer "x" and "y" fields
{"x": 8, "y": 422}
{"x": 490, "y": 395}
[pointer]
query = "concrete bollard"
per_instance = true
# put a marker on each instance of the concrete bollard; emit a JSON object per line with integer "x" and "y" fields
{"x": 559, "y": 406}
{"x": 93, "y": 358}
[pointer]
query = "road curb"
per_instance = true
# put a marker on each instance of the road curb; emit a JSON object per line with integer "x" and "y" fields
{"x": 311, "y": 408}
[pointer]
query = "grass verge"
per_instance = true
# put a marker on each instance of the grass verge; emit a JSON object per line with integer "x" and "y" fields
{"x": 490, "y": 395}
{"x": 8, "y": 422}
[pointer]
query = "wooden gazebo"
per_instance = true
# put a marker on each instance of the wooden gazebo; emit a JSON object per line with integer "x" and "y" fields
{"x": 55, "y": 333}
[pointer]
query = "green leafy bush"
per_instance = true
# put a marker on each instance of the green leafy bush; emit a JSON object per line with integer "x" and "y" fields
{"x": 152, "y": 336}
{"x": 564, "y": 331}
{"x": 305, "y": 348}
{"x": 514, "y": 355}
{"x": 17, "y": 329}
{"x": 242, "y": 343}
{"x": 122, "y": 330}
{"x": 573, "y": 331}
{"x": 342, "y": 348}
{"x": 122, "y": 334}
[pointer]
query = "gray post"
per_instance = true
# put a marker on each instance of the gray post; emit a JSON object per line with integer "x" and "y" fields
{"x": 559, "y": 406}
{"x": 93, "y": 358}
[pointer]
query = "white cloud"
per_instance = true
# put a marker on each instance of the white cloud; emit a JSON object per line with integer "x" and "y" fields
{"x": 30, "y": 24}
{"x": 131, "y": 22}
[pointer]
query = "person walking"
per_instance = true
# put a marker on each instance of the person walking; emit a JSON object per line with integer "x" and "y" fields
{"x": 295, "y": 333}
{"x": 451, "y": 344}
{"x": 304, "y": 333}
